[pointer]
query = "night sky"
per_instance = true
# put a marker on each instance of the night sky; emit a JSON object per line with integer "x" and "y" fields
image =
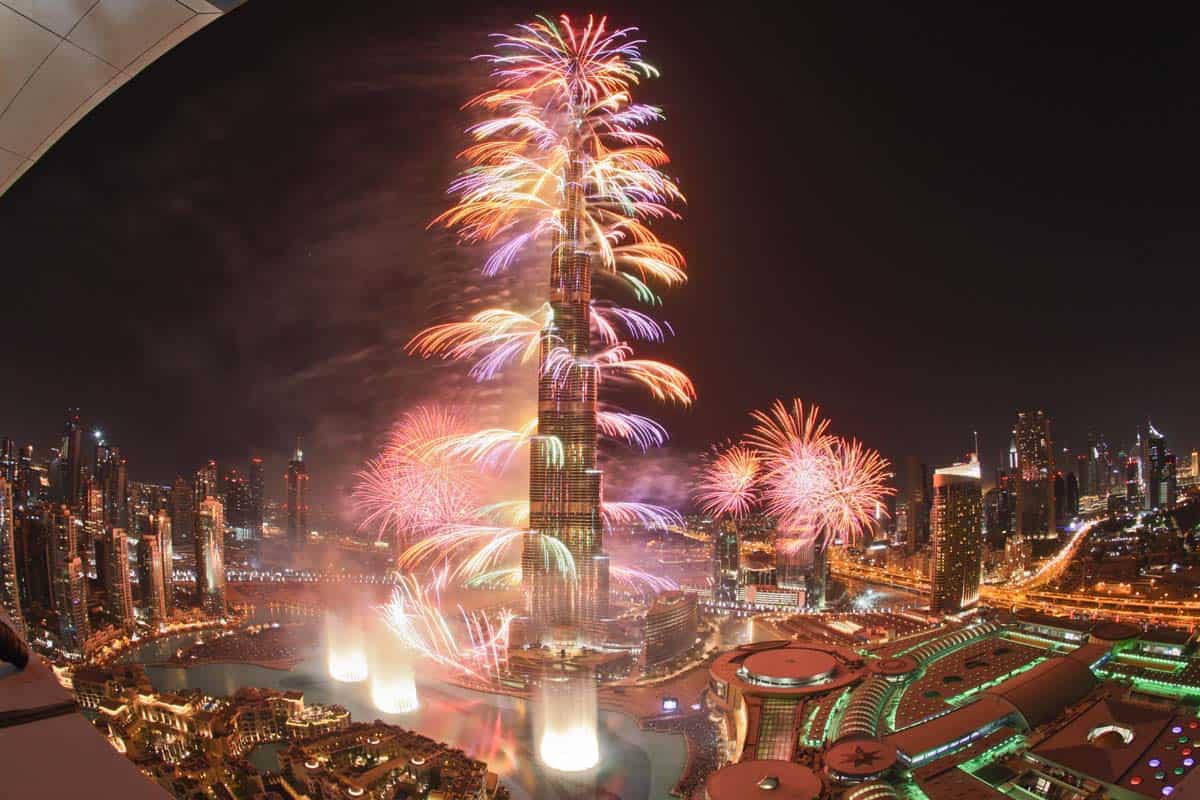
{"x": 921, "y": 220}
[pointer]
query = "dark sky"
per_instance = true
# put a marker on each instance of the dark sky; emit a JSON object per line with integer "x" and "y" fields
{"x": 922, "y": 220}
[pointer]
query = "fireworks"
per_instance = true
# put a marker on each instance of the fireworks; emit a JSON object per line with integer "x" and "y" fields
{"x": 564, "y": 95}
{"x": 813, "y": 482}
{"x": 728, "y": 482}
{"x": 413, "y": 487}
{"x": 559, "y": 157}
{"x": 475, "y": 645}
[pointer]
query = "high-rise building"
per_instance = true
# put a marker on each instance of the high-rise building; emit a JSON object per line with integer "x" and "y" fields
{"x": 161, "y": 528}
{"x": 1035, "y": 472}
{"x": 957, "y": 561}
{"x": 210, "y": 556}
{"x": 1196, "y": 463}
{"x": 93, "y": 527}
{"x": 1133, "y": 484}
{"x": 207, "y": 484}
{"x": 726, "y": 552}
{"x": 235, "y": 492}
{"x": 1158, "y": 470}
{"x": 71, "y": 458}
{"x": 1085, "y": 471}
{"x": 565, "y": 484}
{"x": 68, "y": 584}
{"x": 10, "y": 590}
{"x": 256, "y": 496}
{"x": 181, "y": 506}
{"x": 111, "y": 474}
{"x": 119, "y": 590}
{"x": 8, "y": 461}
{"x": 1072, "y": 495}
{"x": 1105, "y": 481}
{"x": 153, "y": 595}
{"x": 297, "y": 497}
{"x": 912, "y": 503}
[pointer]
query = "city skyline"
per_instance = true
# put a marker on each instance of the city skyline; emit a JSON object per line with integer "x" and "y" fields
{"x": 807, "y": 434}
{"x": 275, "y": 371}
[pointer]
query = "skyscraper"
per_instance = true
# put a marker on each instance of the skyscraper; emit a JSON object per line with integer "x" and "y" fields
{"x": 726, "y": 552}
{"x": 10, "y": 590}
{"x": 1158, "y": 469}
{"x": 68, "y": 586}
{"x": 1085, "y": 470}
{"x": 256, "y": 497}
{"x": 161, "y": 527}
{"x": 297, "y": 497}
{"x": 119, "y": 590}
{"x": 912, "y": 503}
{"x": 210, "y": 556}
{"x": 957, "y": 564}
{"x": 72, "y": 457}
{"x": 150, "y": 578}
{"x": 207, "y": 484}
{"x": 235, "y": 493}
{"x": 181, "y": 506}
{"x": 1035, "y": 471}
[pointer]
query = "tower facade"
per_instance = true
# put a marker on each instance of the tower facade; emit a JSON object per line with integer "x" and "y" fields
{"x": 564, "y": 484}
{"x": 726, "y": 558}
{"x": 10, "y": 591}
{"x": 256, "y": 498}
{"x": 297, "y": 497}
{"x": 68, "y": 584}
{"x": 1035, "y": 475}
{"x": 150, "y": 578}
{"x": 957, "y": 537}
{"x": 119, "y": 589}
{"x": 210, "y": 556}
{"x": 161, "y": 527}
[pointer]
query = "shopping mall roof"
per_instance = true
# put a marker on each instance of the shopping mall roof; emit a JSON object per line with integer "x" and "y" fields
{"x": 1140, "y": 747}
{"x": 776, "y": 780}
{"x": 60, "y": 59}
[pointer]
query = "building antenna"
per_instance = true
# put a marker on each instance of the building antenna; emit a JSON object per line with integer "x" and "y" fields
{"x": 976, "y": 433}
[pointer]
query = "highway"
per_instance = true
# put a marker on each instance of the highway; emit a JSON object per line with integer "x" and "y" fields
{"x": 1026, "y": 595}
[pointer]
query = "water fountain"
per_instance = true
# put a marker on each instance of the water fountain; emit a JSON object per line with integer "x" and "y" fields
{"x": 566, "y": 724}
{"x": 345, "y": 649}
{"x": 393, "y": 680}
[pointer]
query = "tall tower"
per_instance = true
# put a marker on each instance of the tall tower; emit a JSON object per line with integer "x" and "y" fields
{"x": 726, "y": 558}
{"x": 297, "y": 496}
{"x": 1158, "y": 470}
{"x": 1035, "y": 475}
{"x": 119, "y": 589}
{"x": 72, "y": 457}
{"x": 210, "y": 556}
{"x": 68, "y": 588}
{"x": 10, "y": 591}
{"x": 564, "y": 484}
{"x": 206, "y": 484}
{"x": 181, "y": 505}
{"x": 162, "y": 529}
{"x": 957, "y": 537}
{"x": 256, "y": 499}
{"x": 150, "y": 578}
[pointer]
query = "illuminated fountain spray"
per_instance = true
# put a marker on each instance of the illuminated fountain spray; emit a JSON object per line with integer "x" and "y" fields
{"x": 345, "y": 648}
{"x": 566, "y": 724}
{"x": 393, "y": 680}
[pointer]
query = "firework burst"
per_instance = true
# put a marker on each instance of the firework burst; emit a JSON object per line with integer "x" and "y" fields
{"x": 729, "y": 481}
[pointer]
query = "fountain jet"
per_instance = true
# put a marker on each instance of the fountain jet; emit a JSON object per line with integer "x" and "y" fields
{"x": 345, "y": 649}
{"x": 393, "y": 680}
{"x": 566, "y": 731}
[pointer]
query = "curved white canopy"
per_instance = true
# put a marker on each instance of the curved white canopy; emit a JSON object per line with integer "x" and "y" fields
{"x": 60, "y": 58}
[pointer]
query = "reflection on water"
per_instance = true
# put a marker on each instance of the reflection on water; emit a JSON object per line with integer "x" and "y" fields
{"x": 635, "y": 764}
